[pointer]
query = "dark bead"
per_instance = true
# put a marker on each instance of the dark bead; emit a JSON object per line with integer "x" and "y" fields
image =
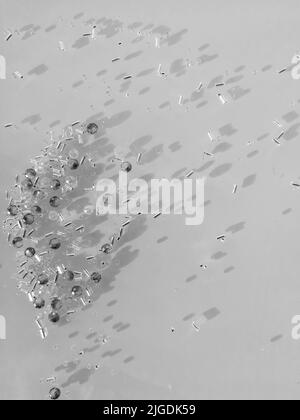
{"x": 126, "y": 166}
{"x": 39, "y": 303}
{"x": 28, "y": 219}
{"x": 77, "y": 291}
{"x": 54, "y": 201}
{"x": 17, "y": 242}
{"x": 106, "y": 248}
{"x": 56, "y": 304}
{"x": 68, "y": 275}
{"x": 27, "y": 184}
{"x": 92, "y": 128}
{"x": 73, "y": 164}
{"x": 54, "y": 317}
{"x": 96, "y": 277}
{"x": 54, "y": 393}
{"x": 30, "y": 172}
{"x": 29, "y": 252}
{"x": 55, "y": 243}
{"x": 37, "y": 209}
{"x": 55, "y": 184}
{"x": 38, "y": 194}
{"x": 43, "y": 279}
{"x": 12, "y": 210}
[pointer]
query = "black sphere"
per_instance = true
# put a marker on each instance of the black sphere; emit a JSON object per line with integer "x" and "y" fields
{"x": 55, "y": 243}
{"x": 54, "y": 317}
{"x": 92, "y": 128}
{"x": 27, "y": 184}
{"x": 73, "y": 164}
{"x": 39, "y": 303}
{"x": 106, "y": 248}
{"x": 126, "y": 166}
{"x": 17, "y": 242}
{"x": 96, "y": 277}
{"x": 54, "y": 393}
{"x": 29, "y": 252}
{"x": 54, "y": 201}
{"x": 68, "y": 275}
{"x": 55, "y": 184}
{"x": 77, "y": 291}
{"x": 37, "y": 209}
{"x": 56, "y": 304}
{"x": 43, "y": 279}
{"x": 28, "y": 219}
{"x": 30, "y": 172}
{"x": 12, "y": 210}
{"x": 39, "y": 194}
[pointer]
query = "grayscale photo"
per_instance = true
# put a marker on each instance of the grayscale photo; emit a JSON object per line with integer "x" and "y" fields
{"x": 149, "y": 203}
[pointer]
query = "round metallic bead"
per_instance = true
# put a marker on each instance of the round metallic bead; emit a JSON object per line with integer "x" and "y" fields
{"x": 56, "y": 304}
{"x": 39, "y": 303}
{"x": 55, "y": 184}
{"x": 106, "y": 248}
{"x": 77, "y": 291}
{"x": 73, "y": 164}
{"x": 37, "y": 209}
{"x": 28, "y": 219}
{"x": 30, "y": 172}
{"x": 96, "y": 277}
{"x": 17, "y": 242}
{"x": 29, "y": 252}
{"x": 54, "y": 317}
{"x": 126, "y": 166}
{"x": 27, "y": 184}
{"x": 55, "y": 243}
{"x": 43, "y": 279}
{"x": 39, "y": 194}
{"x": 54, "y": 393}
{"x": 68, "y": 275}
{"x": 54, "y": 201}
{"x": 92, "y": 128}
{"x": 12, "y": 210}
